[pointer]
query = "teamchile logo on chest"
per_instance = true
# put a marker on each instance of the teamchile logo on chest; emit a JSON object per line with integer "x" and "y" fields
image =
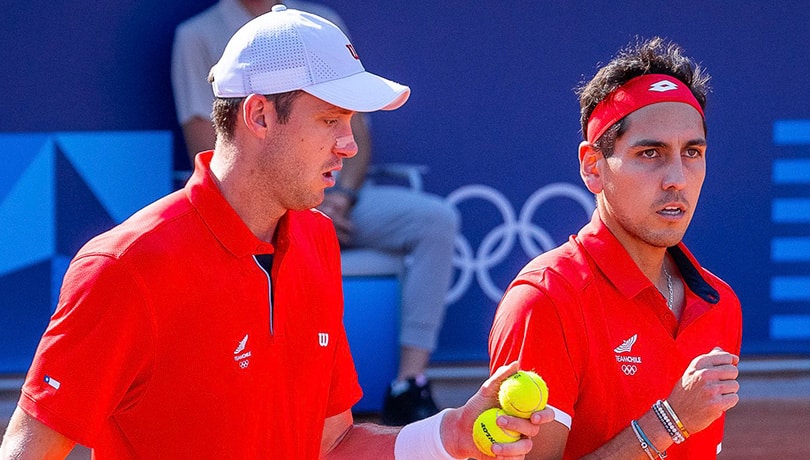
{"x": 629, "y": 364}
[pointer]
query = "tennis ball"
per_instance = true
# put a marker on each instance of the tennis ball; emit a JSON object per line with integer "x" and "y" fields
{"x": 522, "y": 393}
{"x": 486, "y": 432}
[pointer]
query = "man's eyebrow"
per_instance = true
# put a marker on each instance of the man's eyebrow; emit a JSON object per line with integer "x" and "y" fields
{"x": 700, "y": 142}
{"x": 648, "y": 143}
{"x": 338, "y": 110}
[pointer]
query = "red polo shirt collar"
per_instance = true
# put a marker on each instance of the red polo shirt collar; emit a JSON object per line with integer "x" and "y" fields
{"x": 219, "y": 216}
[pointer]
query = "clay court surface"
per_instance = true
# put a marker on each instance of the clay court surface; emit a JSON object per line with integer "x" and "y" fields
{"x": 772, "y": 420}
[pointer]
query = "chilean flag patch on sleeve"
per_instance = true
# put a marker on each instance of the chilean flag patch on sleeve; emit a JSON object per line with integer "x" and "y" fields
{"x": 52, "y": 382}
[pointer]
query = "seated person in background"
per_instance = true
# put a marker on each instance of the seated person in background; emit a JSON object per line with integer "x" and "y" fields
{"x": 419, "y": 226}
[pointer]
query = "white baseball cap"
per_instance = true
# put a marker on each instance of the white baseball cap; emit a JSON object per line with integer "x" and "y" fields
{"x": 287, "y": 49}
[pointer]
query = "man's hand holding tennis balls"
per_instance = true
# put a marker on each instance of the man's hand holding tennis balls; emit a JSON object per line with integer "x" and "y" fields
{"x": 458, "y": 423}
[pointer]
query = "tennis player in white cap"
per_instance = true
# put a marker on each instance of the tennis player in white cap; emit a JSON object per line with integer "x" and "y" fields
{"x": 209, "y": 324}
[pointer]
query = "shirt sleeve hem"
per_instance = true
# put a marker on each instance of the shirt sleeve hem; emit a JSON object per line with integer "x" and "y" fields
{"x": 53, "y": 421}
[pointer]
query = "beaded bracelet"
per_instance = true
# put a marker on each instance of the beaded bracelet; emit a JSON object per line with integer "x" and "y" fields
{"x": 669, "y": 425}
{"x": 675, "y": 418}
{"x": 645, "y": 442}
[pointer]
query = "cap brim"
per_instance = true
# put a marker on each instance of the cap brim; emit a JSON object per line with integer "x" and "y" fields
{"x": 361, "y": 92}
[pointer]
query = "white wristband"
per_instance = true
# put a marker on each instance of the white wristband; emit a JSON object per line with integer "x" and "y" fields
{"x": 422, "y": 440}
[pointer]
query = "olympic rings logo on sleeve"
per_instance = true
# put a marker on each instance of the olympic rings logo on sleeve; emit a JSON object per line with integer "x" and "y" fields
{"x": 499, "y": 242}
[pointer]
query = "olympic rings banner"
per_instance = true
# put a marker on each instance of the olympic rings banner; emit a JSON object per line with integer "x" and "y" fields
{"x": 496, "y": 240}
{"x": 524, "y": 229}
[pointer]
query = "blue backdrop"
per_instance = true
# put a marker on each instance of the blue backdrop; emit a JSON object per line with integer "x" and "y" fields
{"x": 494, "y": 115}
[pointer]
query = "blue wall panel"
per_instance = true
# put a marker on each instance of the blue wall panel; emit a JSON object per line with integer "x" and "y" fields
{"x": 60, "y": 190}
{"x": 371, "y": 317}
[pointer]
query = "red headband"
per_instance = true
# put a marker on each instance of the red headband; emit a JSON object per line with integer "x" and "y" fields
{"x": 637, "y": 93}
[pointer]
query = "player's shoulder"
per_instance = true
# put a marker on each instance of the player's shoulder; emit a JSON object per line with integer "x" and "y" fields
{"x": 141, "y": 231}
{"x": 563, "y": 266}
{"x": 725, "y": 291}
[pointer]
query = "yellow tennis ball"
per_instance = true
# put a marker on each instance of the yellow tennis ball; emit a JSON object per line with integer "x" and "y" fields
{"x": 486, "y": 432}
{"x": 522, "y": 393}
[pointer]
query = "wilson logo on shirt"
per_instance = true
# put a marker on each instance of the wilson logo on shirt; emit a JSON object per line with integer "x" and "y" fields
{"x": 240, "y": 355}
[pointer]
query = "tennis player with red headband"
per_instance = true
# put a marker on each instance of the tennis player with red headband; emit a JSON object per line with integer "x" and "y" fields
{"x": 638, "y": 343}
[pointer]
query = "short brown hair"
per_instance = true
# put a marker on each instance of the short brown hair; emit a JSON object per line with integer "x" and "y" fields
{"x": 226, "y": 110}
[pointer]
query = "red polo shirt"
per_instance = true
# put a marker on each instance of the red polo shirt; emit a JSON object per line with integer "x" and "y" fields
{"x": 601, "y": 335}
{"x": 167, "y": 341}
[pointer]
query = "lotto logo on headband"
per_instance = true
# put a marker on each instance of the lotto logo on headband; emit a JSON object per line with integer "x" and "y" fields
{"x": 663, "y": 86}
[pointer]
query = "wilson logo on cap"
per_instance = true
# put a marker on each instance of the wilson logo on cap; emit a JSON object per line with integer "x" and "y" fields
{"x": 351, "y": 50}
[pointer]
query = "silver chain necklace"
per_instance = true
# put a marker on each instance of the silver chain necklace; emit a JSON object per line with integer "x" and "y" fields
{"x": 671, "y": 300}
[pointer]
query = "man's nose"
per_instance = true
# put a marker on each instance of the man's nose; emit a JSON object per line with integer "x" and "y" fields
{"x": 675, "y": 176}
{"x": 345, "y": 146}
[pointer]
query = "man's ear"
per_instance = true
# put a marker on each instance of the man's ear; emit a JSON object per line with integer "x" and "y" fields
{"x": 256, "y": 113}
{"x": 590, "y": 165}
